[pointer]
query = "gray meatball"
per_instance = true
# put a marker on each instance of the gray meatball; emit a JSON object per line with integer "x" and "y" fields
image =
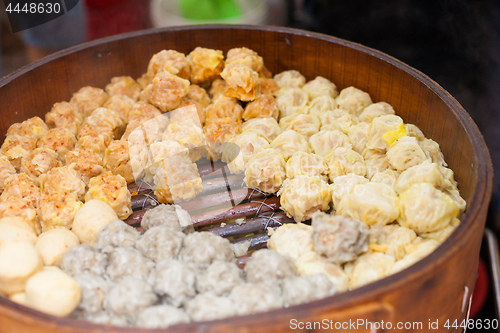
{"x": 255, "y": 297}
{"x": 161, "y": 316}
{"x": 94, "y": 289}
{"x": 306, "y": 288}
{"x": 339, "y": 239}
{"x": 160, "y": 243}
{"x": 220, "y": 278}
{"x": 84, "y": 258}
{"x": 209, "y": 306}
{"x": 269, "y": 266}
{"x": 128, "y": 298}
{"x": 172, "y": 216}
{"x": 116, "y": 234}
{"x": 128, "y": 262}
{"x": 175, "y": 280}
{"x": 203, "y": 248}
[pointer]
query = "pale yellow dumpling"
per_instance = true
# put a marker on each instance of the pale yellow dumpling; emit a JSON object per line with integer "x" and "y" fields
{"x": 426, "y": 172}
{"x": 388, "y": 177}
{"x": 6, "y": 170}
{"x": 310, "y": 263}
{"x": 268, "y": 127}
{"x": 353, "y": 100}
{"x": 112, "y": 189}
{"x": 158, "y": 152}
{"x": 266, "y": 171}
{"x": 320, "y": 105}
{"x": 368, "y": 268}
{"x": 394, "y": 240}
{"x": 425, "y": 209}
{"x": 343, "y": 186}
{"x": 375, "y": 161}
{"x": 405, "y": 153}
{"x": 420, "y": 250}
{"x": 343, "y": 161}
{"x": 289, "y": 142}
{"x": 305, "y": 124}
{"x": 441, "y": 235}
{"x": 302, "y": 163}
{"x": 372, "y": 203}
{"x": 384, "y": 131}
{"x": 337, "y": 119}
{"x": 290, "y": 79}
{"x": 325, "y": 142}
{"x": 241, "y": 148}
{"x": 292, "y": 240}
{"x": 291, "y": 100}
{"x": 432, "y": 151}
{"x": 302, "y": 196}
{"x": 376, "y": 110}
{"x": 321, "y": 86}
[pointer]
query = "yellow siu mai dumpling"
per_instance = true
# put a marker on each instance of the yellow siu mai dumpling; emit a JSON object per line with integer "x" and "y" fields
{"x": 289, "y": 142}
{"x": 241, "y": 148}
{"x": 325, "y": 142}
{"x": 376, "y": 110}
{"x": 291, "y": 100}
{"x": 321, "y": 86}
{"x": 368, "y": 267}
{"x": 292, "y": 240}
{"x": 305, "y": 124}
{"x": 353, "y": 100}
{"x": 343, "y": 186}
{"x": 343, "y": 161}
{"x": 405, "y": 153}
{"x": 266, "y": 171}
{"x": 302, "y": 163}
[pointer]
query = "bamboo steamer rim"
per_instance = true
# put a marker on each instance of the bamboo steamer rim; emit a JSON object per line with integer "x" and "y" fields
{"x": 481, "y": 194}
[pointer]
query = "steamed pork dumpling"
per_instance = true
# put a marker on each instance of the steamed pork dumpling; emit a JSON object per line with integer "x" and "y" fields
{"x": 339, "y": 239}
{"x": 426, "y": 172}
{"x": 376, "y": 110}
{"x": 290, "y": 79}
{"x": 123, "y": 86}
{"x": 268, "y": 127}
{"x": 245, "y": 56}
{"x": 343, "y": 186}
{"x": 305, "y": 124}
{"x": 369, "y": 267}
{"x": 371, "y": 203}
{"x": 262, "y": 107}
{"x": 290, "y": 142}
{"x": 320, "y": 87}
{"x": 168, "y": 61}
{"x": 301, "y": 196}
{"x": 337, "y": 119}
{"x": 388, "y": 177}
{"x": 320, "y": 105}
{"x": 292, "y": 240}
{"x": 343, "y": 161}
{"x": 405, "y": 153}
{"x": 206, "y": 64}
{"x": 419, "y": 250}
{"x": 391, "y": 239}
{"x": 375, "y": 161}
{"x": 359, "y": 134}
{"x": 218, "y": 133}
{"x": 266, "y": 171}
{"x": 224, "y": 107}
{"x": 325, "y": 142}
{"x": 291, "y": 100}
{"x": 414, "y": 131}
{"x": 385, "y": 130}
{"x": 443, "y": 234}
{"x": 243, "y": 82}
{"x": 165, "y": 91}
{"x": 425, "y": 209}
{"x": 431, "y": 150}
{"x": 311, "y": 263}
{"x": 241, "y": 148}
{"x": 302, "y": 163}
{"x": 353, "y": 100}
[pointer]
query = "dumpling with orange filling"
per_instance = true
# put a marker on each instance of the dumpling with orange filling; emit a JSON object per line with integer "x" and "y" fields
{"x": 39, "y": 161}
{"x": 124, "y": 86}
{"x": 57, "y": 210}
{"x": 245, "y": 56}
{"x": 217, "y": 89}
{"x": 112, "y": 189}
{"x": 94, "y": 138}
{"x": 6, "y": 170}
{"x": 87, "y": 162}
{"x": 199, "y": 95}
{"x": 16, "y": 147}
{"x": 206, "y": 64}
{"x": 165, "y": 91}
{"x": 19, "y": 207}
{"x": 218, "y": 133}
{"x": 120, "y": 104}
{"x": 243, "y": 83}
{"x": 224, "y": 107}
{"x": 34, "y": 126}
{"x": 263, "y": 107}
{"x": 169, "y": 61}
{"x": 87, "y": 99}
{"x": 106, "y": 118}
{"x": 117, "y": 160}
{"x": 21, "y": 186}
{"x": 63, "y": 179}
{"x": 61, "y": 140}
{"x": 64, "y": 115}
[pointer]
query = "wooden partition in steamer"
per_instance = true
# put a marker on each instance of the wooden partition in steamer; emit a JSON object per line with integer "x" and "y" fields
{"x": 436, "y": 288}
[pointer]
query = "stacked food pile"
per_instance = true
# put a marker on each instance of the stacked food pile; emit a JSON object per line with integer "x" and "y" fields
{"x": 379, "y": 194}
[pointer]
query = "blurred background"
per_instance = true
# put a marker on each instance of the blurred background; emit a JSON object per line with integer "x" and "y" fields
{"x": 455, "y": 42}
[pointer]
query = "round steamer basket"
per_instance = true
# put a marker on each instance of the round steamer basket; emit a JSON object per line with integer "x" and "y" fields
{"x": 438, "y": 287}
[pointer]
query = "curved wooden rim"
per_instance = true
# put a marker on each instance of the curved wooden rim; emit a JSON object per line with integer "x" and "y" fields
{"x": 481, "y": 194}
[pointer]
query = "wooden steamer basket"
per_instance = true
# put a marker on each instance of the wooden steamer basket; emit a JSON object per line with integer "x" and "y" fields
{"x": 436, "y": 288}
